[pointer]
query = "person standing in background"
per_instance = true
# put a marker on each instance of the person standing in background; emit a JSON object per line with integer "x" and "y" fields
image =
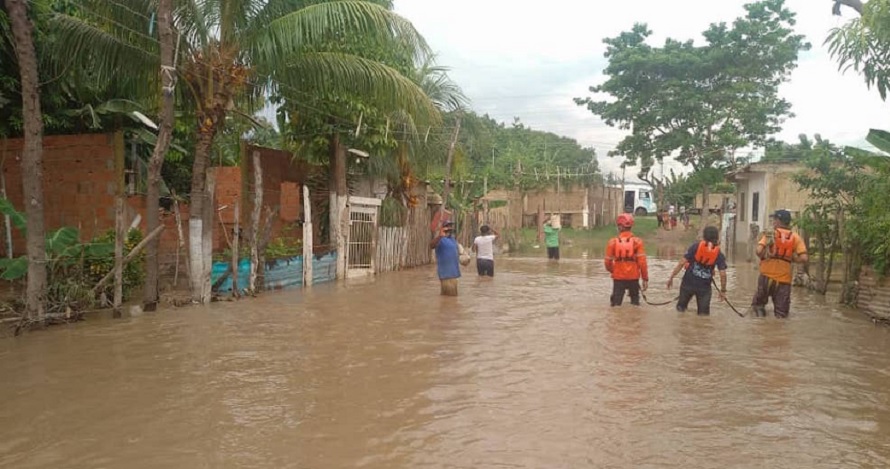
{"x": 551, "y": 240}
{"x": 483, "y": 246}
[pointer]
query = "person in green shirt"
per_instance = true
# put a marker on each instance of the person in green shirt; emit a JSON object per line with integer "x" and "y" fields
{"x": 551, "y": 240}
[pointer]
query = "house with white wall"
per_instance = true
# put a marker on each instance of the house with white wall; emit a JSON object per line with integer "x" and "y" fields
{"x": 761, "y": 189}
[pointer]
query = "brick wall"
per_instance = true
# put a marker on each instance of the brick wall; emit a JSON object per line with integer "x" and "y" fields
{"x": 79, "y": 186}
{"x": 79, "y": 183}
{"x": 282, "y": 191}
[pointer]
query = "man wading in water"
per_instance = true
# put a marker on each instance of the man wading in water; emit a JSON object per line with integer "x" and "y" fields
{"x": 447, "y": 258}
{"x": 626, "y": 260}
{"x": 777, "y": 250}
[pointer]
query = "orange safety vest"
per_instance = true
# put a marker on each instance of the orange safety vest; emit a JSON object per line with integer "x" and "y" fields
{"x": 624, "y": 250}
{"x": 706, "y": 254}
{"x": 783, "y": 245}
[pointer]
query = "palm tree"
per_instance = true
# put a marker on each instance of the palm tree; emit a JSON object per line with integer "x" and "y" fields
{"x": 32, "y": 157}
{"x": 232, "y": 50}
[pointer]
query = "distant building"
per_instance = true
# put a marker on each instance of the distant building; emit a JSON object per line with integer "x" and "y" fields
{"x": 761, "y": 189}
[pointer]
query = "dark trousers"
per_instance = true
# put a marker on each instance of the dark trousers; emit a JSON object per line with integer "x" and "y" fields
{"x": 553, "y": 253}
{"x": 620, "y": 286}
{"x": 702, "y": 300}
{"x": 485, "y": 267}
{"x": 779, "y": 292}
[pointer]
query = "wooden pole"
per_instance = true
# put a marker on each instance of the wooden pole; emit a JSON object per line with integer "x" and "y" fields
{"x": 255, "y": 219}
{"x": 448, "y": 164}
{"x": 307, "y": 237}
{"x": 7, "y": 222}
{"x": 135, "y": 252}
{"x": 180, "y": 240}
{"x": 236, "y": 240}
{"x": 265, "y": 234}
{"x": 119, "y": 234}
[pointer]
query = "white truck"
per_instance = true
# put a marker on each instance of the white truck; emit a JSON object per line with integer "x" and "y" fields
{"x": 639, "y": 200}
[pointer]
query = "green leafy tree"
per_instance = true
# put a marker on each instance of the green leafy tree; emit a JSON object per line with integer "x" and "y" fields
{"x": 833, "y": 181}
{"x": 863, "y": 43}
{"x": 233, "y": 52}
{"x": 782, "y": 152}
{"x": 700, "y": 103}
{"x": 870, "y": 222}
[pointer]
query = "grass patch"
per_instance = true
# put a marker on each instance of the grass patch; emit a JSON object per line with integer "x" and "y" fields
{"x": 577, "y": 242}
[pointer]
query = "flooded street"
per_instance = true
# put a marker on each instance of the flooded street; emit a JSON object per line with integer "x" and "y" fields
{"x": 530, "y": 369}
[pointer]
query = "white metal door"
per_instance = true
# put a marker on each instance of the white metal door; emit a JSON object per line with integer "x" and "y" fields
{"x": 361, "y": 241}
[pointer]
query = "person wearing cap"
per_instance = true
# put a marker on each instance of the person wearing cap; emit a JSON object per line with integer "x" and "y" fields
{"x": 777, "y": 250}
{"x": 483, "y": 245}
{"x": 447, "y": 258}
{"x": 700, "y": 260}
{"x": 626, "y": 261}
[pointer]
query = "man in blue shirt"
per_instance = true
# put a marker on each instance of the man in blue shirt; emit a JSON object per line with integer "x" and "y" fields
{"x": 699, "y": 261}
{"x": 447, "y": 258}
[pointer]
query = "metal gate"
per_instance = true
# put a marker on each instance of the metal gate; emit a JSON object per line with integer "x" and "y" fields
{"x": 362, "y": 238}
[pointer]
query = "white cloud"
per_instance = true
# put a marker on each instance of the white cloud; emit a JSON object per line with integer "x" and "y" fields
{"x": 530, "y": 59}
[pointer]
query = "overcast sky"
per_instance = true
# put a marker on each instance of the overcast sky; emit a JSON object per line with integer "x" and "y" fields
{"x": 529, "y": 59}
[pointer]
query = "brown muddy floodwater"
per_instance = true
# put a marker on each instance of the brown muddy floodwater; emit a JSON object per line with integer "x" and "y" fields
{"x": 530, "y": 370}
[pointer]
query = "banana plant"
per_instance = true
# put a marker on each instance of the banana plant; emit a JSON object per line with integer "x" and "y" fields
{"x": 63, "y": 249}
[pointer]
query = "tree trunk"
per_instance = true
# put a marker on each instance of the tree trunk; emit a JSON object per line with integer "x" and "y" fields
{"x": 165, "y": 134}
{"x": 255, "y": 219}
{"x": 207, "y": 235}
{"x": 449, "y": 162}
{"x": 845, "y": 254}
{"x": 705, "y": 209}
{"x": 854, "y": 4}
{"x": 832, "y": 249}
{"x": 32, "y": 157}
{"x": 339, "y": 193}
{"x": 197, "y": 223}
{"x": 820, "y": 246}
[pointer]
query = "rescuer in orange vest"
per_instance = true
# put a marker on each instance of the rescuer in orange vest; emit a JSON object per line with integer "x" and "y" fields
{"x": 777, "y": 250}
{"x": 700, "y": 260}
{"x": 626, "y": 260}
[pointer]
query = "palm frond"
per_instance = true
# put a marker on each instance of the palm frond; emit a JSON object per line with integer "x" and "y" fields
{"x": 329, "y": 73}
{"x": 436, "y": 83}
{"x": 108, "y": 46}
{"x": 315, "y": 25}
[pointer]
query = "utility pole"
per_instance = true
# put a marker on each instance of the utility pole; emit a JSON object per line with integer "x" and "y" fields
{"x": 623, "y": 197}
{"x": 661, "y": 185}
{"x": 448, "y": 163}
